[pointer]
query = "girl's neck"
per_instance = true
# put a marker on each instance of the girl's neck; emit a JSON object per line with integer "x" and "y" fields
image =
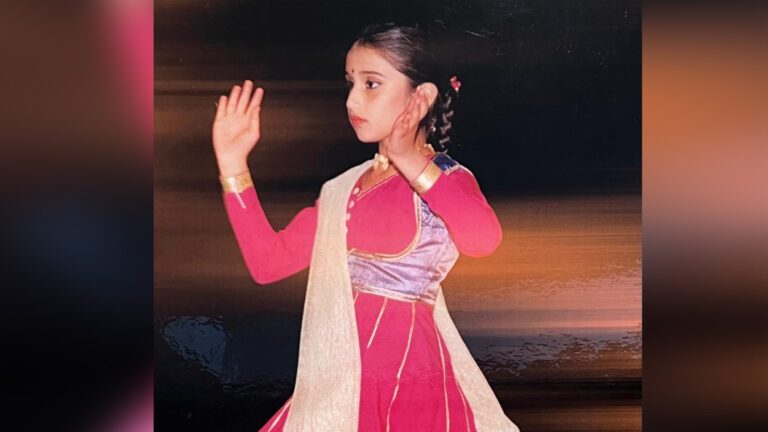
{"x": 421, "y": 143}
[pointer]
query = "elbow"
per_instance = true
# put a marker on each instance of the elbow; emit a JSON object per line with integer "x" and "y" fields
{"x": 483, "y": 244}
{"x": 271, "y": 273}
{"x": 260, "y": 280}
{"x": 262, "y": 277}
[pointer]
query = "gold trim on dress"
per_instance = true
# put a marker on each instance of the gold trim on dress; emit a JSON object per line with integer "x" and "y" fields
{"x": 394, "y": 295}
{"x": 408, "y": 249}
{"x": 402, "y": 363}
{"x": 363, "y": 193}
{"x": 445, "y": 387}
{"x": 378, "y": 320}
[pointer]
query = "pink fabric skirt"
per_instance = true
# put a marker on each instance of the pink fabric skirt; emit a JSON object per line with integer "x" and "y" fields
{"x": 407, "y": 382}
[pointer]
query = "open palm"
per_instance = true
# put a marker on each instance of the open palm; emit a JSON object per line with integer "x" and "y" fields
{"x": 236, "y": 127}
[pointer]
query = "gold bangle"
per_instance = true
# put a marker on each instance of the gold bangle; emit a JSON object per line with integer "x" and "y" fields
{"x": 236, "y": 183}
{"x": 427, "y": 178}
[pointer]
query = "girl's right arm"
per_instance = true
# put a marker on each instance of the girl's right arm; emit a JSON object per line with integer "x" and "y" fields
{"x": 269, "y": 255}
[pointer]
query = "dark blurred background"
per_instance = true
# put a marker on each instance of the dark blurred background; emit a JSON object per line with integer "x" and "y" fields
{"x": 548, "y": 120}
{"x": 550, "y": 101}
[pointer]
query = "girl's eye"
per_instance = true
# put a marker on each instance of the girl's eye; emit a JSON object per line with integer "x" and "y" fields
{"x": 370, "y": 85}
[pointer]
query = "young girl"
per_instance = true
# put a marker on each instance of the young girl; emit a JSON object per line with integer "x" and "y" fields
{"x": 378, "y": 349}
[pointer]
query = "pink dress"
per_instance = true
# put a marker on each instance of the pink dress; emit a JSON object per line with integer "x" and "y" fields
{"x": 401, "y": 246}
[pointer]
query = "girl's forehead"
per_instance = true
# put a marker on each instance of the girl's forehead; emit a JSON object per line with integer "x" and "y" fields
{"x": 362, "y": 59}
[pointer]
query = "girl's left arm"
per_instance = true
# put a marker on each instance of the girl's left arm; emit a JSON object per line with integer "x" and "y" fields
{"x": 456, "y": 197}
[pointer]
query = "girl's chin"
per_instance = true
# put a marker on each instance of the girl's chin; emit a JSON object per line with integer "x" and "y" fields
{"x": 367, "y": 138}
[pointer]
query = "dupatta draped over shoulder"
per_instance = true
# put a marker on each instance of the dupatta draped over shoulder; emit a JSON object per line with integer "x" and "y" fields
{"x": 327, "y": 392}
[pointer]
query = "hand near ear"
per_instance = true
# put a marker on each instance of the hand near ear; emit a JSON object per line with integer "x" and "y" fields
{"x": 405, "y": 129}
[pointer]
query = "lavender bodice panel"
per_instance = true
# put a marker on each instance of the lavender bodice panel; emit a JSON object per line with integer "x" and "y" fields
{"x": 414, "y": 274}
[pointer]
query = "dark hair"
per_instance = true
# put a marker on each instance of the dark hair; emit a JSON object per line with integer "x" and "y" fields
{"x": 407, "y": 49}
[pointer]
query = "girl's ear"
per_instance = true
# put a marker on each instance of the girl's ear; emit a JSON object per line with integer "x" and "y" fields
{"x": 431, "y": 91}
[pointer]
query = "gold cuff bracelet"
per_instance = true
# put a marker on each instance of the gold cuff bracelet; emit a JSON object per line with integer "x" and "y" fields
{"x": 236, "y": 183}
{"x": 427, "y": 178}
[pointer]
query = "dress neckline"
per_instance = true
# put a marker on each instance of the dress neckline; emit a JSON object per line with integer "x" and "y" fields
{"x": 362, "y": 193}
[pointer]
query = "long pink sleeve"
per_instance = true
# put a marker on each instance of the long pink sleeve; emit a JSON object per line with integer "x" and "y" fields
{"x": 269, "y": 255}
{"x": 381, "y": 220}
{"x": 456, "y": 197}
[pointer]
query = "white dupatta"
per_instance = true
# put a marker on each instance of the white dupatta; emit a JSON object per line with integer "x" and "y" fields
{"x": 327, "y": 392}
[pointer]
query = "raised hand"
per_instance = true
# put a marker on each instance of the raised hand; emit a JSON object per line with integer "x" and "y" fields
{"x": 236, "y": 127}
{"x": 403, "y": 137}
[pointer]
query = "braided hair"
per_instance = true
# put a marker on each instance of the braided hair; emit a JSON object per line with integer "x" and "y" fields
{"x": 440, "y": 123}
{"x": 407, "y": 49}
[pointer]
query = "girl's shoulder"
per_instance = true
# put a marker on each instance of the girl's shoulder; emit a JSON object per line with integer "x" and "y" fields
{"x": 447, "y": 164}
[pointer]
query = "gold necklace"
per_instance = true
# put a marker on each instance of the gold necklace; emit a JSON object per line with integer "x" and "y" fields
{"x": 380, "y": 162}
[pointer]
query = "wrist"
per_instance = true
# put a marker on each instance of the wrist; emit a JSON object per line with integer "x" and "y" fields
{"x": 236, "y": 183}
{"x": 231, "y": 167}
{"x": 426, "y": 178}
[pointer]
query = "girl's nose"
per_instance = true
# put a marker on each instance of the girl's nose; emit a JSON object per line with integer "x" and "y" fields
{"x": 350, "y": 105}
{"x": 352, "y": 100}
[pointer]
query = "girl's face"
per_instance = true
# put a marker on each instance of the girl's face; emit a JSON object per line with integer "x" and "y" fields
{"x": 378, "y": 93}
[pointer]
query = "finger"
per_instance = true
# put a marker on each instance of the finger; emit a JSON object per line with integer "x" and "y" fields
{"x": 416, "y": 107}
{"x": 400, "y": 119}
{"x": 424, "y": 108}
{"x": 399, "y": 122}
{"x": 234, "y": 96}
{"x": 413, "y": 115}
{"x": 258, "y": 95}
{"x": 406, "y": 110}
{"x": 408, "y": 124}
{"x": 245, "y": 96}
{"x": 409, "y": 107}
{"x": 404, "y": 121}
{"x": 221, "y": 107}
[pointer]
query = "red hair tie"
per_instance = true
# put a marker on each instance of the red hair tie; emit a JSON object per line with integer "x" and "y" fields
{"x": 455, "y": 83}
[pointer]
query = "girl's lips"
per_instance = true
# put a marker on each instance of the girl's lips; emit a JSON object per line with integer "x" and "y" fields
{"x": 356, "y": 121}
